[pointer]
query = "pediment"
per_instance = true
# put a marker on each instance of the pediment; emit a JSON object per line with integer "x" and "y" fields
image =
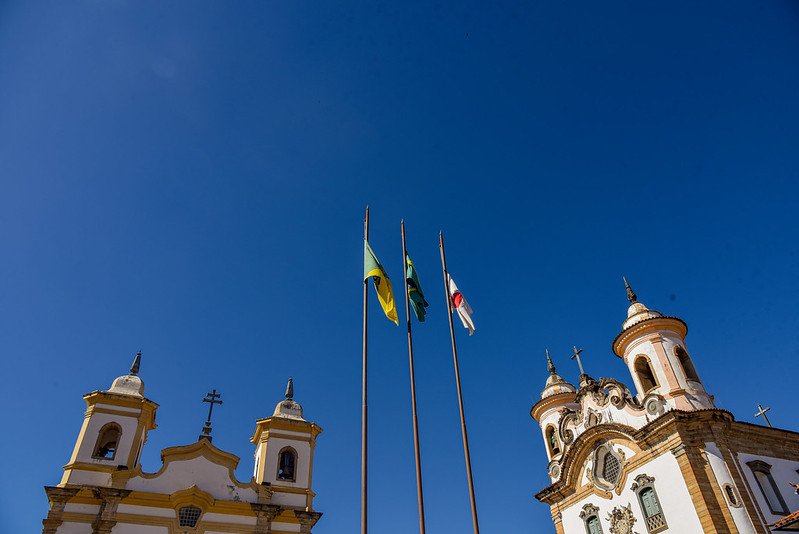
{"x": 200, "y": 467}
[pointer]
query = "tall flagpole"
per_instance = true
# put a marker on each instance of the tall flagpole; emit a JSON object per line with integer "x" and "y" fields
{"x": 364, "y": 405}
{"x": 458, "y": 384}
{"x": 419, "y": 494}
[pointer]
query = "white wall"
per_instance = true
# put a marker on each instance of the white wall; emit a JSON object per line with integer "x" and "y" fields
{"x": 783, "y": 472}
{"x": 675, "y": 501}
{"x": 722, "y": 473}
{"x": 74, "y": 528}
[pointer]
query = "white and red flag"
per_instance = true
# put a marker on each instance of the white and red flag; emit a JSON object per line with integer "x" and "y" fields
{"x": 461, "y": 306}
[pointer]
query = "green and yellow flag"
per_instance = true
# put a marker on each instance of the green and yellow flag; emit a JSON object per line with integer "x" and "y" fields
{"x": 415, "y": 295}
{"x": 373, "y": 269}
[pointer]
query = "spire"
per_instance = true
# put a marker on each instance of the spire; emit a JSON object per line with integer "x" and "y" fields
{"x": 550, "y": 365}
{"x": 290, "y": 389}
{"x": 631, "y": 296}
{"x": 134, "y": 369}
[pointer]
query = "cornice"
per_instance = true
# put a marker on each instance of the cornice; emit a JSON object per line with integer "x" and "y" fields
{"x": 551, "y": 401}
{"x": 644, "y": 326}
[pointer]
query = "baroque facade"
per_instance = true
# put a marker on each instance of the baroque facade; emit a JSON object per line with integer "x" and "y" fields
{"x": 105, "y": 491}
{"x": 662, "y": 458}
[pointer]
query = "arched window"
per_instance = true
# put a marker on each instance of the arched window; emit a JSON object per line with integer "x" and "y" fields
{"x": 107, "y": 442}
{"x": 646, "y": 376}
{"x": 287, "y": 465}
{"x": 552, "y": 441}
{"x": 188, "y": 516}
{"x": 644, "y": 487}
{"x": 590, "y": 516}
{"x": 686, "y": 364}
{"x": 607, "y": 467}
{"x": 762, "y": 472}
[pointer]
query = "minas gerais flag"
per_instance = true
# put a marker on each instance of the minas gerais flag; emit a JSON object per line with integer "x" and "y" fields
{"x": 418, "y": 303}
{"x": 374, "y": 270}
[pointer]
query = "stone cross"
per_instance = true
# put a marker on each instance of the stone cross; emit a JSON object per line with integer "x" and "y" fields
{"x": 576, "y": 356}
{"x": 211, "y": 398}
{"x": 763, "y": 413}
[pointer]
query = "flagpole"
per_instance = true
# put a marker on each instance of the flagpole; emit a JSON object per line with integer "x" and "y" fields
{"x": 417, "y": 454}
{"x": 472, "y": 500}
{"x": 364, "y": 405}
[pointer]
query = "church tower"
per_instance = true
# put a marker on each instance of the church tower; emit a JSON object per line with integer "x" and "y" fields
{"x": 653, "y": 347}
{"x": 284, "y": 451}
{"x": 114, "y": 430}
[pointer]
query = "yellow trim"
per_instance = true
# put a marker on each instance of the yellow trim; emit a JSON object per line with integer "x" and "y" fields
{"x": 83, "y": 466}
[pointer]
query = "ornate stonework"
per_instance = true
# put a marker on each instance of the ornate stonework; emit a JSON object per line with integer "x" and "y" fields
{"x": 622, "y": 520}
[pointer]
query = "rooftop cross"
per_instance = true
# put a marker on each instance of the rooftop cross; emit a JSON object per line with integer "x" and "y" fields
{"x": 763, "y": 413}
{"x": 576, "y": 356}
{"x": 211, "y": 398}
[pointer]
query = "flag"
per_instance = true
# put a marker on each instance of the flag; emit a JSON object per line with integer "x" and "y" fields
{"x": 461, "y": 306}
{"x": 373, "y": 269}
{"x": 415, "y": 295}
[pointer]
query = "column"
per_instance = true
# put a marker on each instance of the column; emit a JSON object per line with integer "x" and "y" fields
{"x": 264, "y": 514}
{"x": 109, "y": 500}
{"x": 58, "y": 498}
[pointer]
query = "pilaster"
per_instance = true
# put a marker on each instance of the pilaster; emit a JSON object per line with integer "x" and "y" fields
{"x": 307, "y": 520}
{"x": 265, "y": 514}
{"x": 58, "y": 498}
{"x": 700, "y": 488}
{"x": 109, "y": 501}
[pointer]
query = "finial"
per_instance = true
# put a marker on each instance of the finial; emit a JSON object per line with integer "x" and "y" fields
{"x": 290, "y": 389}
{"x": 631, "y": 296}
{"x": 134, "y": 369}
{"x": 550, "y": 365}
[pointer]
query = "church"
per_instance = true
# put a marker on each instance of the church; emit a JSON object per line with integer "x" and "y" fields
{"x": 661, "y": 458}
{"x": 104, "y": 489}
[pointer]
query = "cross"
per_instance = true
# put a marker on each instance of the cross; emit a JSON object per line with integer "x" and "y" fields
{"x": 211, "y": 398}
{"x": 576, "y": 355}
{"x": 763, "y": 413}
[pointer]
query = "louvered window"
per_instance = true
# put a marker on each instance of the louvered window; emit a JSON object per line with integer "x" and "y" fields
{"x": 655, "y": 522}
{"x": 592, "y": 525}
{"x": 611, "y": 467}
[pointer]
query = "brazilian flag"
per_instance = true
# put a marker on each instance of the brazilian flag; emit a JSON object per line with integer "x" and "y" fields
{"x": 372, "y": 269}
{"x": 418, "y": 303}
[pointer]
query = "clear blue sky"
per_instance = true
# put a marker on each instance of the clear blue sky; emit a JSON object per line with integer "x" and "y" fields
{"x": 189, "y": 178}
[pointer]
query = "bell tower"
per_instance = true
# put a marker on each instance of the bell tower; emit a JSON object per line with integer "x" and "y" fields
{"x": 114, "y": 430}
{"x": 284, "y": 451}
{"x": 653, "y": 347}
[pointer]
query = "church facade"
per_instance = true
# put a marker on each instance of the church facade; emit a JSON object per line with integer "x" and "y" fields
{"x": 661, "y": 458}
{"x": 105, "y": 491}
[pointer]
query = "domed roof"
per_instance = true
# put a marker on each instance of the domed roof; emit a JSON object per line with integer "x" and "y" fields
{"x": 129, "y": 384}
{"x": 555, "y": 383}
{"x": 289, "y": 408}
{"x": 637, "y": 311}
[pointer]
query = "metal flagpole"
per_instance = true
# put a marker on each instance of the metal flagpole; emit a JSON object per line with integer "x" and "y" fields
{"x": 458, "y": 384}
{"x": 364, "y": 405}
{"x": 417, "y": 454}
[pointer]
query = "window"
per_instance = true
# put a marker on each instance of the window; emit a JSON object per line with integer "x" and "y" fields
{"x": 592, "y": 526}
{"x": 287, "y": 464}
{"x": 189, "y": 515}
{"x": 611, "y": 468}
{"x": 686, "y": 364}
{"x": 644, "y": 487}
{"x": 552, "y": 441}
{"x": 607, "y": 467}
{"x": 762, "y": 472}
{"x": 643, "y": 369}
{"x": 590, "y": 517}
{"x": 107, "y": 442}
{"x": 731, "y": 495}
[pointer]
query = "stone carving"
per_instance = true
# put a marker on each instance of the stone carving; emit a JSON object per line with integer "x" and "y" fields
{"x": 642, "y": 481}
{"x": 588, "y": 510}
{"x": 622, "y": 520}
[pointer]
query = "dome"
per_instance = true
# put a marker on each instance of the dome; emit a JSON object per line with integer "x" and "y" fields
{"x": 555, "y": 383}
{"x": 129, "y": 384}
{"x": 289, "y": 408}
{"x": 638, "y": 312}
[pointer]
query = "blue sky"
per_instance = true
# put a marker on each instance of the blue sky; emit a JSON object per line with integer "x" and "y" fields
{"x": 189, "y": 179}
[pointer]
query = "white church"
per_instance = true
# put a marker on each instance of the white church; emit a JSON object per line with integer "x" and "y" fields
{"x": 104, "y": 490}
{"x": 661, "y": 458}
